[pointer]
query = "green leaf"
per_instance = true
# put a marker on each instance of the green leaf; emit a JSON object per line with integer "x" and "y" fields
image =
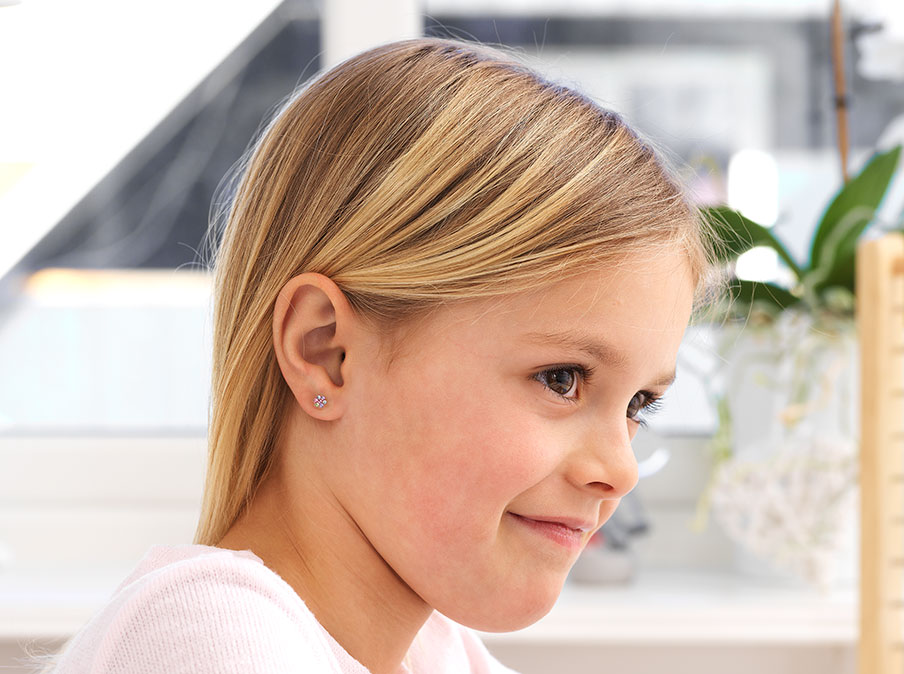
{"x": 747, "y": 292}
{"x": 832, "y": 250}
{"x": 836, "y": 267}
{"x": 737, "y": 234}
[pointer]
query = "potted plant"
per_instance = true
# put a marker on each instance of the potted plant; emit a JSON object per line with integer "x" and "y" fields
{"x": 825, "y": 283}
{"x": 784, "y": 473}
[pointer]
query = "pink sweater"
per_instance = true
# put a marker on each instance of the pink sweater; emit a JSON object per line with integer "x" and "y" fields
{"x": 200, "y": 609}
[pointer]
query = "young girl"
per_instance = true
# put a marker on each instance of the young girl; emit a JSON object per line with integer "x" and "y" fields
{"x": 447, "y": 293}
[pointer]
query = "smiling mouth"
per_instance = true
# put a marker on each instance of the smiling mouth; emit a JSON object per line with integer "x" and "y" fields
{"x": 569, "y": 537}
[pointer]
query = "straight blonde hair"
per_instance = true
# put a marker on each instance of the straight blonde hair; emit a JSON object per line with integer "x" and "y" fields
{"x": 415, "y": 174}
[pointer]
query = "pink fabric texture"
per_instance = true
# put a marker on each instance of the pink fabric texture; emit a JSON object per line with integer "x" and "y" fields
{"x": 203, "y": 610}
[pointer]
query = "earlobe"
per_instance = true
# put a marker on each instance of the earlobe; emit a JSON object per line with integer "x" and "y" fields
{"x": 311, "y": 319}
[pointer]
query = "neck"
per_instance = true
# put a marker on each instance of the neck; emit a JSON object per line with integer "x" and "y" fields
{"x": 316, "y": 547}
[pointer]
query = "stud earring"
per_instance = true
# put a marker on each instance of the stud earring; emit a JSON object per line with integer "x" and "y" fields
{"x": 319, "y": 401}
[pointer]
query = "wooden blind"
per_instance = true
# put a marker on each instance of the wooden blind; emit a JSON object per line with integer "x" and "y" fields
{"x": 880, "y": 319}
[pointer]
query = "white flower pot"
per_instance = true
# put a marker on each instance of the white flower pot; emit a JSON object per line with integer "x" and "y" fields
{"x": 787, "y": 495}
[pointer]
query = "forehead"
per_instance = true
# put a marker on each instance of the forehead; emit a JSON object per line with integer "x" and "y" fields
{"x": 645, "y": 293}
{"x": 639, "y": 307}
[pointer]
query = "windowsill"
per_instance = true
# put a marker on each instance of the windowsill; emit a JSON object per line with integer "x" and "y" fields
{"x": 668, "y": 607}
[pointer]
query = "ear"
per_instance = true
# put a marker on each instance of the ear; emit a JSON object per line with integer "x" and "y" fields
{"x": 312, "y": 326}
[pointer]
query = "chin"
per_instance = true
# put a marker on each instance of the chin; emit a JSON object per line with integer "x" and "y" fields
{"x": 510, "y": 623}
{"x": 495, "y": 613}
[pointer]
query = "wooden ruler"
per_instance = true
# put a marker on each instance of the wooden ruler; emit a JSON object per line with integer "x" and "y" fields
{"x": 880, "y": 322}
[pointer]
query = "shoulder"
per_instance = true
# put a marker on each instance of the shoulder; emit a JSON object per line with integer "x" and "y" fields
{"x": 185, "y": 609}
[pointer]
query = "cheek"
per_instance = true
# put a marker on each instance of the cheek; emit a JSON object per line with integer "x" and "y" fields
{"x": 470, "y": 453}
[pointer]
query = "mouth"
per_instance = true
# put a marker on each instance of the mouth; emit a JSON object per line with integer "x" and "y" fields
{"x": 567, "y": 532}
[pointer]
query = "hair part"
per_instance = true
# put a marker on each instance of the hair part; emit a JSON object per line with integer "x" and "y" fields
{"x": 415, "y": 174}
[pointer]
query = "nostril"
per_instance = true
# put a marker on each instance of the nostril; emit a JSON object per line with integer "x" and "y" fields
{"x": 601, "y": 486}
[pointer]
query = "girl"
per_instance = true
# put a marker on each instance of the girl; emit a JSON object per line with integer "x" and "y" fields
{"x": 447, "y": 293}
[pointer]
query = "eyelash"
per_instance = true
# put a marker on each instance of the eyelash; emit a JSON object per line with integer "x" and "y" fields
{"x": 652, "y": 402}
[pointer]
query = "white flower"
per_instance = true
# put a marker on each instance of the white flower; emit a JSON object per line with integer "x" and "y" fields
{"x": 787, "y": 504}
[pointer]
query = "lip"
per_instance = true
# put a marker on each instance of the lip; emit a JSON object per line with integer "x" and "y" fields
{"x": 566, "y": 531}
{"x": 570, "y": 522}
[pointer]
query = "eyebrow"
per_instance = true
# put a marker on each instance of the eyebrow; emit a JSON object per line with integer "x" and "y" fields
{"x": 598, "y": 350}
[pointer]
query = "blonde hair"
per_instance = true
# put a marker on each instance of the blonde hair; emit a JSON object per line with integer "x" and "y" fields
{"x": 418, "y": 173}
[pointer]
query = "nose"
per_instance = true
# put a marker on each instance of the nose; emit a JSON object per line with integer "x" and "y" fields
{"x": 605, "y": 463}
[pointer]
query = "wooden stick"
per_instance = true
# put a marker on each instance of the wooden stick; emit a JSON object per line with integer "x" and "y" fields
{"x": 841, "y": 96}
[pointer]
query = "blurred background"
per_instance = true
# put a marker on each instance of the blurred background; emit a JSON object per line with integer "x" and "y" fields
{"x": 119, "y": 122}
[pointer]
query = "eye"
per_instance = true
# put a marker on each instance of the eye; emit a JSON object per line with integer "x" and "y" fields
{"x": 643, "y": 402}
{"x": 563, "y": 380}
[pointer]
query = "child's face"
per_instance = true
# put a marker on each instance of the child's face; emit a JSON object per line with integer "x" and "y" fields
{"x": 462, "y": 440}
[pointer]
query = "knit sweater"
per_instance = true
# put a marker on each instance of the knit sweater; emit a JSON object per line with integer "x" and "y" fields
{"x": 202, "y": 610}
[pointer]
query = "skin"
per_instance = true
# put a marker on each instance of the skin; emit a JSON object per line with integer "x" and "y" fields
{"x": 399, "y": 496}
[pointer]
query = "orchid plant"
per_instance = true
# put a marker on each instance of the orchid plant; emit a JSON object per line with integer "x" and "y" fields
{"x": 825, "y": 283}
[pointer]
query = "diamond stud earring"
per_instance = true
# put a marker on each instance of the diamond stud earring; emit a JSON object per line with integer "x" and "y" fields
{"x": 319, "y": 401}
